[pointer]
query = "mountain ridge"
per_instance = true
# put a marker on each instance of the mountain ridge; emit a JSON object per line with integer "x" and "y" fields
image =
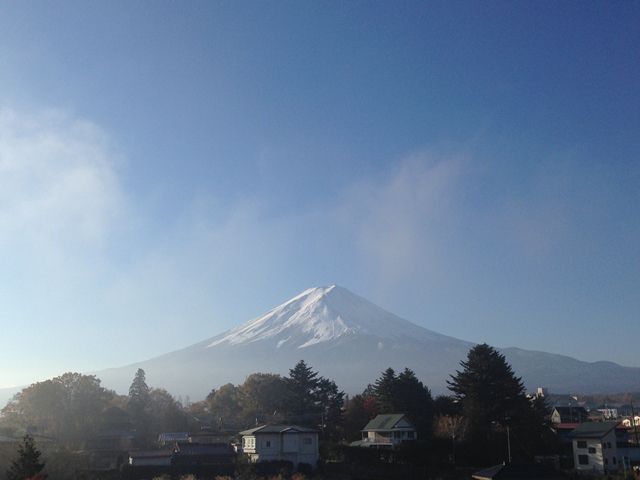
{"x": 351, "y": 340}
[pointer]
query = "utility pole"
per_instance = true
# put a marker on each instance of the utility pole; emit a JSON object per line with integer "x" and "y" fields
{"x": 508, "y": 444}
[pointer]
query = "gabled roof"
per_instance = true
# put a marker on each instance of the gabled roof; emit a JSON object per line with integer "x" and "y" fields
{"x": 571, "y": 410}
{"x": 278, "y": 429}
{"x": 385, "y": 422}
{"x": 593, "y": 429}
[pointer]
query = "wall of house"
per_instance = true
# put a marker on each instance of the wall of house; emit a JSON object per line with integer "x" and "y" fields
{"x": 293, "y": 447}
{"x": 249, "y": 444}
{"x": 601, "y": 455}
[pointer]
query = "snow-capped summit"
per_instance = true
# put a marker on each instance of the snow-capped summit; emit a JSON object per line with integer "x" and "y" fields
{"x": 318, "y": 315}
{"x": 350, "y": 340}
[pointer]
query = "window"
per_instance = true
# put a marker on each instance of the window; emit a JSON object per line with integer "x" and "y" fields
{"x": 582, "y": 444}
{"x": 268, "y": 444}
{"x": 606, "y": 461}
{"x": 397, "y": 434}
{"x": 592, "y": 449}
{"x": 583, "y": 459}
{"x": 411, "y": 435}
{"x": 615, "y": 460}
{"x": 608, "y": 444}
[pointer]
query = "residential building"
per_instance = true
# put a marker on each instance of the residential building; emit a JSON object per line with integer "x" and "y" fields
{"x": 290, "y": 443}
{"x": 569, "y": 414}
{"x": 387, "y": 431}
{"x": 151, "y": 458}
{"x": 595, "y": 448}
{"x": 172, "y": 438}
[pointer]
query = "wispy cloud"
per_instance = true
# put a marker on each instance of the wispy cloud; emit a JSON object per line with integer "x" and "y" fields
{"x": 396, "y": 220}
{"x": 60, "y": 192}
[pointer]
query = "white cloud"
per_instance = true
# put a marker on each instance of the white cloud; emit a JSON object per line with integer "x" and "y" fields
{"x": 59, "y": 191}
{"x": 397, "y": 221}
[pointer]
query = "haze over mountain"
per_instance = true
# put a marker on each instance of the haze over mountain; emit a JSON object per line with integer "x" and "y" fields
{"x": 349, "y": 339}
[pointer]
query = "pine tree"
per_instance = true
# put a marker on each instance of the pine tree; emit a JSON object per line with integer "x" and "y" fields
{"x": 489, "y": 392}
{"x": 404, "y": 393}
{"x": 302, "y": 384}
{"x": 330, "y": 400}
{"x": 384, "y": 391}
{"x": 139, "y": 392}
{"x": 414, "y": 399}
{"x": 139, "y": 403}
{"x": 28, "y": 463}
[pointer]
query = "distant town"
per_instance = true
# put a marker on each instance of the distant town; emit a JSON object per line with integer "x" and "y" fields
{"x": 304, "y": 426}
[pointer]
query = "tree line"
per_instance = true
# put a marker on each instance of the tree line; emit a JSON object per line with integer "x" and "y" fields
{"x": 486, "y": 399}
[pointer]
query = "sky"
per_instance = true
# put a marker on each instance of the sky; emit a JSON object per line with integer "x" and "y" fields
{"x": 169, "y": 170}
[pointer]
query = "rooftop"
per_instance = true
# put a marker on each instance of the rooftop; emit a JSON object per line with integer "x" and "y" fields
{"x": 278, "y": 429}
{"x": 384, "y": 422}
{"x": 593, "y": 429}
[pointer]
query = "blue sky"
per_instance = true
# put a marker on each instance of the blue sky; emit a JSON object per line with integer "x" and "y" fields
{"x": 170, "y": 169}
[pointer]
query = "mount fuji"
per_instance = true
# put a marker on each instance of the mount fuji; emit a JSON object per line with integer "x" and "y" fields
{"x": 350, "y": 340}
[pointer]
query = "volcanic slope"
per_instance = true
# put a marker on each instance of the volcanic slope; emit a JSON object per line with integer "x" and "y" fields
{"x": 350, "y": 340}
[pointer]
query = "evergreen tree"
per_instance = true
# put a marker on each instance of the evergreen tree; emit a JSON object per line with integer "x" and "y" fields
{"x": 330, "y": 400}
{"x": 384, "y": 391}
{"x": 139, "y": 404}
{"x": 414, "y": 399}
{"x": 496, "y": 409}
{"x": 489, "y": 391}
{"x": 404, "y": 393}
{"x": 139, "y": 392}
{"x": 28, "y": 462}
{"x": 302, "y": 384}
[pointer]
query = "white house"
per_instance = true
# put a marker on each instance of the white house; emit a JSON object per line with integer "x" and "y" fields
{"x": 387, "y": 431}
{"x": 281, "y": 442}
{"x": 595, "y": 448}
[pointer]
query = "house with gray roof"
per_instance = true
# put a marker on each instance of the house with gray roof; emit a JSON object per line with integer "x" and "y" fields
{"x": 290, "y": 443}
{"x": 387, "y": 431}
{"x": 595, "y": 449}
{"x": 569, "y": 414}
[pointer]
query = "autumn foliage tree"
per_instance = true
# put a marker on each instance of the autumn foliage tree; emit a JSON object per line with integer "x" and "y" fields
{"x": 67, "y": 407}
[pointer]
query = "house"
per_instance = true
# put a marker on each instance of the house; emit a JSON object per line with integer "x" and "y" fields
{"x": 289, "y": 443}
{"x": 595, "y": 448}
{"x": 608, "y": 413}
{"x": 151, "y": 458}
{"x": 172, "y": 438}
{"x": 387, "y": 431}
{"x": 192, "y": 454}
{"x": 569, "y": 414}
{"x": 108, "y": 449}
